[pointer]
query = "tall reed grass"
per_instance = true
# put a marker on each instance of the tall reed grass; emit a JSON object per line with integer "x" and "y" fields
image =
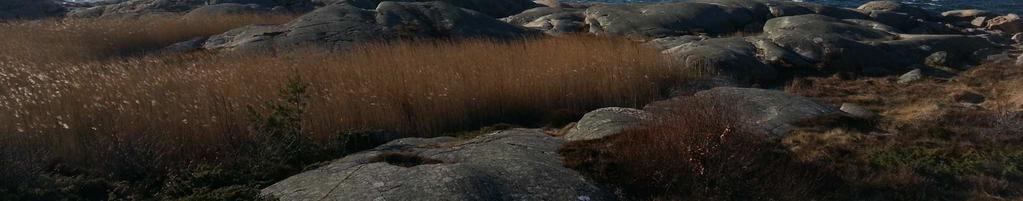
{"x": 82, "y": 96}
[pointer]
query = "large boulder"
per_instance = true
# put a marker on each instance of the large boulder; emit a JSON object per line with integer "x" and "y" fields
{"x": 912, "y": 50}
{"x": 137, "y": 8}
{"x": 895, "y": 6}
{"x": 1011, "y": 23}
{"x": 29, "y": 9}
{"x": 966, "y": 15}
{"x": 225, "y": 9}
{"x": 494, "y": 8}
{"x": 670, "y": 19}
{"x": 730, "y": 57}
{"x": 605, "y": 122}
{"x": 340, "y": 26}
{"x": 773, "y": 112}
{"x": 520, "y": 164}
{"x": 786, "y": 8}
{"x": 553, "y": 21}
{"x": 832, "y": 44}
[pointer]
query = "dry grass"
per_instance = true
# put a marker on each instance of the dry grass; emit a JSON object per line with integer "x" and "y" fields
{"x": 82, "y": 108}
{"x": 78, "y": 40}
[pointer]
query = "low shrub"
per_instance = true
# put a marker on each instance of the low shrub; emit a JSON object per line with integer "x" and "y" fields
{"x": 696, "y": 152}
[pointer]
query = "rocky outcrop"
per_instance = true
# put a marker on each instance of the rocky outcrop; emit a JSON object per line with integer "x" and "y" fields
{"x": 897, "y": 7}
{"x": 672, "y": 19}
{"x": 340, "y": 26}
{"x": 494, "y": 8}
{"x": 552, "y": 21}
{"x": 518, "y": 164}
{"x": 1009, "y": 23}
{"x": 730, "y": 57}
{"x": 220, "y": 10}
{"x": 137, "y": 8}
{"x": 605, "y": 122}
{"x": 832, "y": 44}
{"x": 29, "y": 9}
{"x": 773, "y": 112}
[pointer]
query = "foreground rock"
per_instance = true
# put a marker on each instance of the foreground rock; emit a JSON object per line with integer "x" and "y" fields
{"x": 735, "y": 58}
{"x": 340, "y": 26}
{"x": 29, "y": 9}
{"x": 508, "y": 165}
{"x": 773, "y": 112}
{"x": 606, "y": 122}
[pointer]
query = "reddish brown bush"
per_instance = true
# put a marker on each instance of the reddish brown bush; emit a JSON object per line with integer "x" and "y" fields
{"x": 695, "y": 152}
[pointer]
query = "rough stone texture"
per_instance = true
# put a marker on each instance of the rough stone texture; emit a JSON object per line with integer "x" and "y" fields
{"x": 875, "y": 25}
{"x": 967, "y": 14}
{"x": 857, "y": 111}
{"x": 894, "y": 6}
{"x": 980, "y": 21}
{"x": 340, "y": 26}
{"x": 29, "y": 9}
{"x": 553, "y": 21}
{"x": 1019, "y": 61}
{"x": 914, "y": 49}
{"x": 511, "y": 165}
{"x": 771, "y": 111}
{"x": 833, "y": 45}
{"x": 778, "y": 56}
{"x": 494, "y": 8}
{"x": 671, "y": 19}
{"x": 911, "y": 76}
{"x": 938, "y": 59}
{"x": 1009, "y": 23}
{"x": 731, "y": 57}
{"x": 218, "y": 10}
{"x": 137, "y": 8}
{"x": 785, "y": 8}
{"x": 666, "y": 43}
{"x": 606, "y": 122}
{"x": 1018, "y": 38}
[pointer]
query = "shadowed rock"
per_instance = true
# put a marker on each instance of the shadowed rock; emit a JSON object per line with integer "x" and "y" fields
{"x": 340, "y": 26}
{"x": 29, "y": 9}
{"x": 137, "y": 8}
{"x": 518, "y": 164}
{"x": 671, "y": 19}
{"x": 494, "y": 8}
{"x": 730, "y": 57}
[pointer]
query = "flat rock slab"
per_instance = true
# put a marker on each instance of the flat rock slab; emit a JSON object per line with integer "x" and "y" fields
{"x": 520, "y": 164}
{"x": 605, "y": 122}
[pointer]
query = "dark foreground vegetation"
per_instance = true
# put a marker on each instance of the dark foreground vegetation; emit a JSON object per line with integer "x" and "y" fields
{"x": 925, "y": 146}
{"x": 93, "y": 111}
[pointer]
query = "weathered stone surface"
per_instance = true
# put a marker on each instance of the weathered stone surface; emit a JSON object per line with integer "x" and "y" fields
{"x": 730, "y": 57}
{"x": 775, "y": 55}
{"x": 833, "y": 45}
{"x": 938, "y": 59}
{"x": 553, "y": 21}
{"x": 894, "y": 6}
{"x": 773, "y": 112}
{"x": 875, "y": 25}
{"x": 914, "y": 49}
{"x": 605, "y": 122}
{"x": 1009, "y": 23}
{"x": 220, "y": 10}
{"x": 511, "y": 165}
{"x": 1018, "y": 38}
{"x": 857, "y": 111}
{"x": 911, "y": 76}
{"x": 670, "y": 19}
{"x": 494, "y": 8}
{"x": 340, "y": 26}
{"x": 785, "y": 8}
{"x": 29, "y": 9}
{"x": 666, "y": 43}
{"x": 967, "y": 14}
{"x": 137, "y": 8}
